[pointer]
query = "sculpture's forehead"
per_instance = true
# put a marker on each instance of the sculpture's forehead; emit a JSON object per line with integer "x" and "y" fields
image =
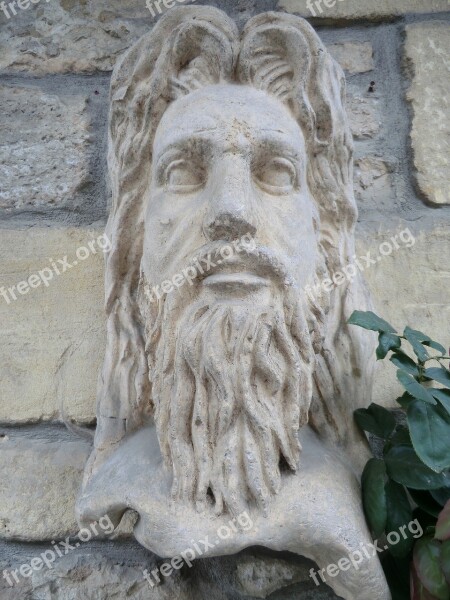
{"x": 228, "y": 111}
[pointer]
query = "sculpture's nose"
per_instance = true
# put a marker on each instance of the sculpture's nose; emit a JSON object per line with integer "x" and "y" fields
{"x": 231, "y": 212}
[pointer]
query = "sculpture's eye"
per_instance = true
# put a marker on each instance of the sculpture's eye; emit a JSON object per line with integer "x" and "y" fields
{"x": 277, "y": 176}
{"x": 183, "y": 177}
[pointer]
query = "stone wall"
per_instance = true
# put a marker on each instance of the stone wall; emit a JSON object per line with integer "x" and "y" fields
{"x": 56, "y": 58}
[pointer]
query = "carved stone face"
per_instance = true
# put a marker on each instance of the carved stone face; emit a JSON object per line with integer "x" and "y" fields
{"x": 229, "y": 160}
{"x": 224, "y": 380}
{"x": 235, "y": 388}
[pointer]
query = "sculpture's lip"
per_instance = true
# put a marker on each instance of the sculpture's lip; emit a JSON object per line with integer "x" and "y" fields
{"x": 245, "y": 279}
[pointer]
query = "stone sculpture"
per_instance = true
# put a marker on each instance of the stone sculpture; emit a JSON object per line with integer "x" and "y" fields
{"x": 231, "y": 377}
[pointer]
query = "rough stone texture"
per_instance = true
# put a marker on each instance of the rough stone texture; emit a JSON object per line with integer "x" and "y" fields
{"x": 427, "y": 49}
{"x": 410, "y": 287}
{"x": 354, "y": 57}
{"x": 63, "y": 35}
{"x": 363, "y": 112}
{"x": 51, "y": 340}
{"x": 90, "y": 574}
{"x": 372, "y": 176}
{"x": 44, "y": 147}
{"x": 40, "y": 483}
{"x": 363, "y": 9}
{"x": 259, "y": 578}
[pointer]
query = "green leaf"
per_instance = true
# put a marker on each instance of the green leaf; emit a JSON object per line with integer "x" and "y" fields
{"x": 441, "y": 496}
{"x": 435, "y": 346}
{"x": 445, "y": 560}
{"x": 426, "y": 340}
{"x": 414, "y": 388}
{"x": 376, "y": 420}
{"x": 405, "y": 400}
{"x": 427, "y": 563}
{"x": 425, "y": 500}
{"x": 397, "y": 575}
{"x": 439, "y": 374}
{"x": 369, "y": 320}
{"x": 443, "y": 396}
{"x": 443, "y": 524}
{"x": 399, "y": 514}
{"x": 405, "y": 363}
{"x": 405, "y": 467}
{"x": 374, "y": 496}
{"x": 418, "y": 591}
{"x": 414, "y": 338}
{"x": 429, "y": 427}
{"x": 387, "y": 342}
{"x": 401, "y": 437}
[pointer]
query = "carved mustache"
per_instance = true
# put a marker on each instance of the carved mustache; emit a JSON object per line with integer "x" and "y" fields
{"x": 240, "y": 255}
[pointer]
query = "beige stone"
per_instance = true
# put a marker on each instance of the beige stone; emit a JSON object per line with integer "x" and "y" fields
{"x": 358, "y": 9}
{"x": 372, "y": 178}
{"x": 363, "y": 113}
{"x": 410, "y": 287}
{"x": 44, "y": 147}
{"x": 354, "y": 57}
{"x": 70, "y": 36}
{"x": 40, "y": 483}
{"x": 427, "y": 49}
{"x": 259, "y": 577}
{"x": 52, "y": 337}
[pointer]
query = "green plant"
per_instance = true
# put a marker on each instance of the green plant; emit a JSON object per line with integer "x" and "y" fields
{"x": 412, "y": 480}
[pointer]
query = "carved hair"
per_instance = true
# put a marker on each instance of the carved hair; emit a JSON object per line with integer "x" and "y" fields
{"x": 190, "y": 48}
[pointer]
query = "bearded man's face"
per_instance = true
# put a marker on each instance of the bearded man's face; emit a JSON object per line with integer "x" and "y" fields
{"x": 229, "y": 346}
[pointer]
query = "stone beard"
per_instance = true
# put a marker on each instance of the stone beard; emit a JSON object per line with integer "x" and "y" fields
{"x": 231, "y": 384}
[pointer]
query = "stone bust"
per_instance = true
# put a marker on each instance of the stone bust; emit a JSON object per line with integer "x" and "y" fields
{"x": 228, "y": 386}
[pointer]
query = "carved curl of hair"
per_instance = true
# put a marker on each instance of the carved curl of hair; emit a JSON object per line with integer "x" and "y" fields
{"x": 189, "y": 48}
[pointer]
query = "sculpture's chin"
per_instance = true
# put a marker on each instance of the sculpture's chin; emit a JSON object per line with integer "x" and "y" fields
{"x": 317, "y": 513}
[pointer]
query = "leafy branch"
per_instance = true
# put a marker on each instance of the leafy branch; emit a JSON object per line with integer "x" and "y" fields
{"x": 412, "y": 480}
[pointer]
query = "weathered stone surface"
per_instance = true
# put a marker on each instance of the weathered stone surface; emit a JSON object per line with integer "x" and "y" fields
{"x": 260, "y": 577}
{"x": 409, "y": 287}
{"x": 354, "y": 57}
{"x": 51, "y": 339}
{"x": 40, "y": 483}
{"x": 363, "y": 113}
{"x": 372, "y": 177}
{"x": 69, "y": 36}
{"x": 359, "y": 9}
{"x": 44, "y": 147}
{"x": 427, "y": 49}
{"x": 90, "y": 574}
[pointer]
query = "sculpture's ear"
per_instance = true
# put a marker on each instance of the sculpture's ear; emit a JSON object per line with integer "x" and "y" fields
{"x": 202, "y": 54}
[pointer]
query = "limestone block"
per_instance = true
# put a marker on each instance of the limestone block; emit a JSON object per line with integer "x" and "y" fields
{"x": 52, "y": 336}
{"x": 409, "y": 287}
{"x": 354, "y": 57}
{"x": 70, "y": 36}
{"x": 40, "y": 483}
{"x": 361, "y": 9}
{"x": 427, "y": 50}
{"x": 44, "y": 147}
